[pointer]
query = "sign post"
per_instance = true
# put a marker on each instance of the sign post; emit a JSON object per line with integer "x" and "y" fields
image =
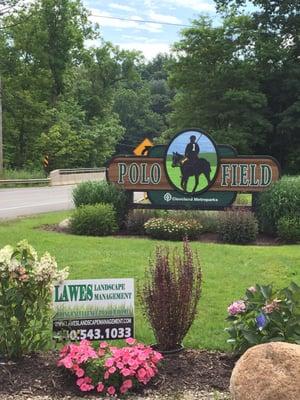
{"x": 97, "y": 309}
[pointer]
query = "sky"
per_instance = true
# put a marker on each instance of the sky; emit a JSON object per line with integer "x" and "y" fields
{"x": 179, "y": 144}
{"x": 148, "y": 37}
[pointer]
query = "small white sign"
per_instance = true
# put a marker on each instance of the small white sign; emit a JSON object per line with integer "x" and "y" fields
{"x": 96, "y": 309}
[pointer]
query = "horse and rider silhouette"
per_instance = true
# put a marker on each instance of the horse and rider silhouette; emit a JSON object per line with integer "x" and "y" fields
{"x": 191, "y": 165}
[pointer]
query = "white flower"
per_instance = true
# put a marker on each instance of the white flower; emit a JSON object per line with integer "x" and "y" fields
{"x": 14, "y": 265}
{"x": 45, "y": 269}
{"x": 5, "y": 254}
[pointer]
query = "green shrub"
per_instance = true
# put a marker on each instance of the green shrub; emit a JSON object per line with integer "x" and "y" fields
{"x": 137, "y": 218}
{"x": 91, "y": 193}
{"x": 237, "y": 227}
{"x": 288, "y": 228}
{"x": 171, "y": 229}
{"x": 26, "y": 284}
{"x": 281, "y": 200}
{"x": 94, "y": 220}
{"x": 264, "y": 315}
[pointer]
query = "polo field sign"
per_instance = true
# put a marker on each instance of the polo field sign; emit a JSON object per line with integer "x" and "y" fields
{"x": 241, "y": 174}
{"x": 192, "y": 169}
{"x": 98, "y": 309}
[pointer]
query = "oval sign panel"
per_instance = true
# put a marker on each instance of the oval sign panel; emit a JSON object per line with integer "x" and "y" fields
{"x": 192, "y": 161}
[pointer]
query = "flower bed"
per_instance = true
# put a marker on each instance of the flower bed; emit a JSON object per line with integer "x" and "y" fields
{"x": 110, "y": 370}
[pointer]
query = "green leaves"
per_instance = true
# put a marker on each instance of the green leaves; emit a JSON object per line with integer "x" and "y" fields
{"x": 25, "y": 301}
{"x": 279, "y": 310}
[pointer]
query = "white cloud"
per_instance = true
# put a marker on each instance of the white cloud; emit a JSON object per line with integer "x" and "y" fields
{"x": 196, "y": 5}
{"x": 163, "y": 18}
{"x": 150, "y": 50}
{"x": 99, "y": 17}
{"x": 121, "y": 7}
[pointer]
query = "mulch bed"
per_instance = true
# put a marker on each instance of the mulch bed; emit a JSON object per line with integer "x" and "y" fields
{"x": 193, "y": 369}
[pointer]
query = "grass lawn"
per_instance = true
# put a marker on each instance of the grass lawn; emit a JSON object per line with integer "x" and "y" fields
{"x": 227, "y": 269}
{"x": 175, "y": 174}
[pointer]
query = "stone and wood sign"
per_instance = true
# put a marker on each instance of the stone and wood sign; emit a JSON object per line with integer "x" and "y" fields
{"x": 193, "y": 172}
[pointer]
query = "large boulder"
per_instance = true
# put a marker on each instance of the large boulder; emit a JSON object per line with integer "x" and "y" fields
{"x": 268, "y": 371}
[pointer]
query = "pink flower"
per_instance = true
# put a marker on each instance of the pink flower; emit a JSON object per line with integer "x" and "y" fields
{"x": 103, "y": 345}
{"x": 100, "y": 387}
{"x": 111, "y": 390}
{"x": 85, "y": 384}
{"x": 86, "y": 387}
{"x": 252, "y": 289}
{"x": 120, "y": 365}
{"x": 237, "y": 307}
{"x": 78, "y": 371}
{"x": 126, "y": 372}
{"x": 112, "y": 370}
{"x": 130, "y": 341}
{"x": 141, "y": 374}
{"x": 133, "y": 364}
{"x": 128, "y": 383}
{"x": 109, "y": 362}
{"x": 123, "y": 389}
{"x": 106, "y": 375}
{"x": 101, "y": 352}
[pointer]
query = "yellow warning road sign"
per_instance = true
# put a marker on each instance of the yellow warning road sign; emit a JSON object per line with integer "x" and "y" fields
{"x": 143, "y": 148}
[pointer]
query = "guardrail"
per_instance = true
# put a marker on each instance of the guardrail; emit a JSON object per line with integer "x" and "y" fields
{"x": 24, "y": 181}
{"x": 80, "y": 171}
{"x": 61, "y": 177}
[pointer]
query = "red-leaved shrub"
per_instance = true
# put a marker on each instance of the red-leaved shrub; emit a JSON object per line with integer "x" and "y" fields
{"x": 170, "y": 295}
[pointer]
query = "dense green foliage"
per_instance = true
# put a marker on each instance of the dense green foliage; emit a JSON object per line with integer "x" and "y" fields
{"x": 26, "y": 284}
{"x": 288, "y": 228}
{"x": 239, "y": 227}
{"x": 66, "y": 101}
{"x": 91, "y": 193}
{"x": 171, "y": 229}
{"x": 282, "y": 199}
{"x": 265, "y": 315}
{"x": 94, "y": 220}
{"x": 238, "y": 80}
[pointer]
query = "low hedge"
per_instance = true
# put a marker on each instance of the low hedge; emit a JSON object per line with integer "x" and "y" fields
{"x": 282, "y": 199}
{"x": 239, "y": 227}
{"x": 288, "y": 229}
{"x": 91, "y": 193}
{"x": 94, "y": 220}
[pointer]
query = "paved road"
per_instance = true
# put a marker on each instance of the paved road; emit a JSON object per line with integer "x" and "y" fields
{"x": 28, "y": 201}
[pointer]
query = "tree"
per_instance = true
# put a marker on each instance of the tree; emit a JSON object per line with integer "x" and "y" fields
{"x": 217, "y": 84}
{"x": 276, "y": 47}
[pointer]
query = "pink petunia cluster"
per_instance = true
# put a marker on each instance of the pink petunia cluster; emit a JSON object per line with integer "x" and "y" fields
{"x": 114, "y": 370}
{"x": 237, "y": 307}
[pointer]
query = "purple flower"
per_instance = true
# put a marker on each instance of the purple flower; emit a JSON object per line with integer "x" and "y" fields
{"x": 237, "y": 307}
{"x": 261, "y": 321}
